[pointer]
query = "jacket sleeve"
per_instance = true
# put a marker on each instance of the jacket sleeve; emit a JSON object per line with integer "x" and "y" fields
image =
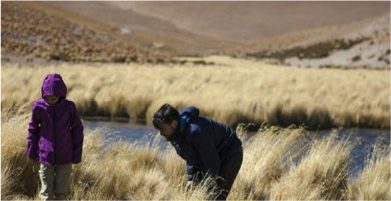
{"x": 190, "y": 171}
{"x": 77, "y": 135}
{"x": 33, "y": 134}
{"x": 208, "y": 152}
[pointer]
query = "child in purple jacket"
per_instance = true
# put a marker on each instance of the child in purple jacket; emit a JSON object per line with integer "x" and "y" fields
{"x": 55, "y": 138}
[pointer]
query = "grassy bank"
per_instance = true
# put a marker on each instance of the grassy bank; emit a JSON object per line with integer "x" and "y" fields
{"x": 231, "y": 90}
{"x": 269, "y": 170}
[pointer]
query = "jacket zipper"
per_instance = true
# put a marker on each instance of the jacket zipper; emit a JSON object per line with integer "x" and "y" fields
{"x": 54, "y": 134}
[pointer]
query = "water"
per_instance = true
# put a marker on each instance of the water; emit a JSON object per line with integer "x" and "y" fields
{"x": 132, "y": 133}
{"x": 363, "y": 139}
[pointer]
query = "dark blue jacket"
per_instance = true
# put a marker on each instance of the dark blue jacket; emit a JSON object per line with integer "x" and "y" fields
{"x": 203, "y": 143}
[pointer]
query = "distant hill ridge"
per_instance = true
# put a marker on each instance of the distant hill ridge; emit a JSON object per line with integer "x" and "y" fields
{"x": 309, "y": 34}
{"x": 28, "y": 31}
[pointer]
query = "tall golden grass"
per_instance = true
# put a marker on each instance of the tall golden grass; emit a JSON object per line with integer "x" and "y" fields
{"x": 278, "y": 164}
{"x": 266, "y": 159}
{"x": 231, "y": 91}
{"x": 374, "y": 181}
{"x": 120, "y": 171}
{"x": 19, "y": 175}
{"x": 321, "y": 175}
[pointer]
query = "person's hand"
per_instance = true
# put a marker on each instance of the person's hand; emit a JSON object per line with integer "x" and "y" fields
{"x": 189, "y": 185}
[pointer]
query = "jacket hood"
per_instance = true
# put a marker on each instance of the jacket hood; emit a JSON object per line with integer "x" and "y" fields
{"x": 185, "y": 116}
{"x": 191, "y": 112}
{"x": 53, "y": 85}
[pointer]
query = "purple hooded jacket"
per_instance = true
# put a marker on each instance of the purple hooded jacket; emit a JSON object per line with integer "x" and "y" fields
{"x": 55, "y": 134}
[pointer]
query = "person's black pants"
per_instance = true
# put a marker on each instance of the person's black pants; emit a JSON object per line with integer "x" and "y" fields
{"x": 229, "y": 170}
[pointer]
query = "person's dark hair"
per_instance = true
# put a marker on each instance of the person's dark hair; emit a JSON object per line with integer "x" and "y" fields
{"x": 165, "y": 114}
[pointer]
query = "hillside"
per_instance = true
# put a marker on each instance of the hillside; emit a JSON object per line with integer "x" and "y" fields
{"x": 250, "y": 22}
{"x": 146, "y": 30}
{"x": 304, "y": 34}
{"x": 363, "y": 44}
{"x": 34, "y": 33}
